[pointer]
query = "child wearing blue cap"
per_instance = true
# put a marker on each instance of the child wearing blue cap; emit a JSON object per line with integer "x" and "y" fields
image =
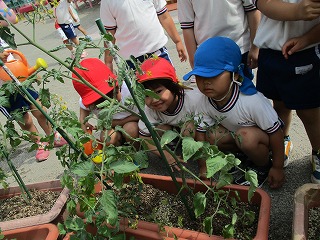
{"x": 242, "y": 118}
{"x": 289, "y": 65}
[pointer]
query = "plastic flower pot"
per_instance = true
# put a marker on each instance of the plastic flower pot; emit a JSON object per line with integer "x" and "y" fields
{"x": 306, "y": 197}
{"x": 260, "y": 198}
{"x": 46, "y": 231}
{"x": 151, "y": 231}
{"x": 54, "y": 215}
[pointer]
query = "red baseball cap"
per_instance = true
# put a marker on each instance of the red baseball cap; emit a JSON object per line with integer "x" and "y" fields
{"x": 97, "y": 74}
{"x": 157, "y": 68}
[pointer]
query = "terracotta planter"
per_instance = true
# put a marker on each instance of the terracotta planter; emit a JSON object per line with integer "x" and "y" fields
{"x": 151, "y": 231}
{"x": 54, "y": 215}
{"x": 40, "y": 232}
{"x": 306, "y": 197}
{"x": 260, "y": 198}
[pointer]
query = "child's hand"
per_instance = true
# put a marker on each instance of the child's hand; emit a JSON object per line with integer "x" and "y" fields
{"x": 308, "y": 9}
{"x": 276, "y": 177}
{"x": 293, "y": 45}
{"x": 181, "y": 52}
{"x": 4, "y": 55}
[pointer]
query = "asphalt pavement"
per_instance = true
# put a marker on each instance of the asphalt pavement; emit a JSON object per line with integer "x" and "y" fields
{"x": 297, "y": 173}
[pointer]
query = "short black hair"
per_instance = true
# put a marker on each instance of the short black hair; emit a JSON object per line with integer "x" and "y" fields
{"x": 175, "y": 88}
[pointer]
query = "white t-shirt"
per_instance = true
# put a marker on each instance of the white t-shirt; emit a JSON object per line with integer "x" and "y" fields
{"x": 241, "y": 111}
{"x": 138, "y": 29}
{"x": 273, "y": 34}
{"x": 217, "y": 18}
{"x": 125, "y": 95}
{"x": 62, "y": 13}
{"x": 187, "y": 104}
{"x": 75, "y": 13}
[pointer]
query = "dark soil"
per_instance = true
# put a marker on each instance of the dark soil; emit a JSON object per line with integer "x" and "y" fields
{"x": 314, "y": 226}
{"x": 19, "y": 207}
{"x": 168, "y": 210}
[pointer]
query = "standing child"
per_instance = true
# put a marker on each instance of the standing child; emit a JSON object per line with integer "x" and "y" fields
{"x": 19, "y": 103}
{"x": 175, "y": 104}
{"x": 291, "y": 78}
{"x": 138, "y": 29}
{"x": 245, "y": 118}
{"x": 237, "y": 20}
{"x": 65, "y": 18}
{"x": 98, "y": 74}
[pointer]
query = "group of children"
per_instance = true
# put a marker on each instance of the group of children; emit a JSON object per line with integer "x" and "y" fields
{"x": 225, "y": 96}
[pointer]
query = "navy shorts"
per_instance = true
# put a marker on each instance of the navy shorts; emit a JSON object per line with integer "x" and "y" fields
{"x": 162, "y": 52}
{"x": 294, "y": 81}
{"x": 68, "y": 30}
{"x": 17, "y": 101}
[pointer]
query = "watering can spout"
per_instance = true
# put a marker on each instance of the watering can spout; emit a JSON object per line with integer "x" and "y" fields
{"x": 40, "y": 62}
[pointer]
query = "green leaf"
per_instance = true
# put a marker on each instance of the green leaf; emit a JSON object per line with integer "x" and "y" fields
{"x": 122, "y": 166}
{"x": 224, "y": 179}
{"x": 62, "y": 231}
{"x": 215, "y": 164}
{"x": 228, "y": 231}
{"x": 199, "y": 203}
{"x": 141, "y": 158}
{"x": 74, "y": 224}
{"x": 108, "y": 203}
{"x": 189, "y": 147}
{"x": 168, "y": 137}
{"x": 83, "y": 169}
{"x": 151, "y": 94}
{"x": 234, "y": 219}
{"x": 249, "y": 217}
{"x": 207, "y": 223}
{"x": 251, "y": 176}
{"x": 140, "y": 95}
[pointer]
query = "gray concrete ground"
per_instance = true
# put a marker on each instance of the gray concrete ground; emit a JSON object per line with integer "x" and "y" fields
{"x": 297, "y": 173}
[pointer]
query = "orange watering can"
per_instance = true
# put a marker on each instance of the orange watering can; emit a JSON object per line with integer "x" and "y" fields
{"x": 20, "y": 67}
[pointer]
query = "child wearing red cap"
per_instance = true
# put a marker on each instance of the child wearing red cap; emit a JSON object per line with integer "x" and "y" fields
{"x": 100, "y": 76}
{"x": 175, "y": 104}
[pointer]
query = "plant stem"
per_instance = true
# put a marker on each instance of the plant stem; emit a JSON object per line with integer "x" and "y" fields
{"x": 144, "y": 118}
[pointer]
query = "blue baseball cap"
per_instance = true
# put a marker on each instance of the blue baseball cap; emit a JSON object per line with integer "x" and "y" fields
{"x": 214, "y": 56}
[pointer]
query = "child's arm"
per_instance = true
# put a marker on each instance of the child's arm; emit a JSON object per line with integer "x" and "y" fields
{"x": 168, "y": 24}
{"x": 72, "y": 15}
{"x": 121, "y": 122}
{"x": 191, "y": 44}
{"x": 276, "y": 175}
{"x": 107, "y": 57}
{"x": 284, "y": 11}
{"x": 253, "y": 21}
{"x": 296, "y": 44}
{"x": 83, "y": 114}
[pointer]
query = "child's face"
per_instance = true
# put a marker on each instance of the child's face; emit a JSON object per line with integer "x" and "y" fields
{"x": 166, "y": 101}
{"x": 215, "y": 87}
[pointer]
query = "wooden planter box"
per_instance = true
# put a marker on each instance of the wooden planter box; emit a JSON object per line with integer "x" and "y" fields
{"x": 151, "y": 231}
{"x": 54, "y": 215}
{"x": 306, "y": 197}
{"x": 40, "y": 232}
